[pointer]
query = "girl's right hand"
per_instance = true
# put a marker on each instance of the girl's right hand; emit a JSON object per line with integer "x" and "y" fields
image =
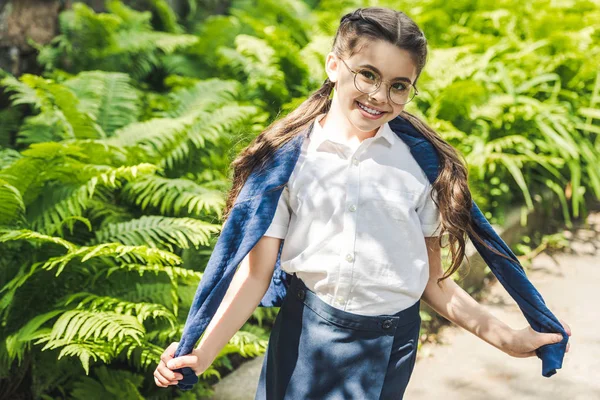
{"x": 164, "y": 376}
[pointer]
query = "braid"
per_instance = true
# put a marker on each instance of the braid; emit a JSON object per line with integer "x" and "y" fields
{"x": 353, "y": 16}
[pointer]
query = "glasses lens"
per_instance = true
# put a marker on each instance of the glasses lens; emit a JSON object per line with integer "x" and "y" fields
{"x": 402, "y": 92}
{"x": 366, "y": 80}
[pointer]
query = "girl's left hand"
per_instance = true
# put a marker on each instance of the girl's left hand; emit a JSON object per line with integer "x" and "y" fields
{"x": 525, "y": 341}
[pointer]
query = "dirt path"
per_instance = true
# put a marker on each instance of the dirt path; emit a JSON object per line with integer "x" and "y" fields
{"x": 467, "y": 368}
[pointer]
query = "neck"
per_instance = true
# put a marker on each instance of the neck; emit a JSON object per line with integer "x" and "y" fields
{"x": 344, "y": 130}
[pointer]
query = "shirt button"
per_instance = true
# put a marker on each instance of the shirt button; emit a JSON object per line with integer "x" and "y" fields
{"x": 352, "y": 208}
{"x": 354, "y": 161}
{"x": 349, "y": 257}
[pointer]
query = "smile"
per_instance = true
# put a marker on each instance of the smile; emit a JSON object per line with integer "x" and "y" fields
{"x": 369, "y": 110}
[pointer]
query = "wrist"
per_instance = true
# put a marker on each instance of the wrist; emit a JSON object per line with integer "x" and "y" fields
{"x": 205, "y": 359}
{"x": 505, "y": 339}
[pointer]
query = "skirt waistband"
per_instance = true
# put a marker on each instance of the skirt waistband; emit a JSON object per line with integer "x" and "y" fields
{"x": 379, "y": 323}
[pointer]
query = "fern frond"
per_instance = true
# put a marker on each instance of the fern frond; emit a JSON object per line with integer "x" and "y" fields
{"x": 62, "y": 101}
{"x": 206, "y": 94}
{"x": 159, "y": 232}
{"x": 155, "y": 292}
{"x": 185, "y": 275}
{"x": 18, "y": 342}
{"x": 207, "y": 127}
{"x": 85, "y": 324}
{"x": 108, "y": 97}
{"x": 45, "y": 127}
{"x": 72, "y": 202}
{"x": 93, "y": 302}
{"x": 136, "y": 41}
{"x": 21, "y": 93}
{"x": 105, "y": 348}
{"x": 151, "y": 135}
{"x": 245, "y": 343}
{"x": 175, "y": 274}
{"x": 130, "y": 254}
{"x": 168, "y": 140}
{"x": 8, "y": 157}
{"x": 166, "y": 15}
{"x": 12, "y": 207}
{"x": 173, "y": 196}
{"x": 258, "y": 62}
{"x": 108, "y": 383}
{"x": 132, "y": 19}
{"x": 32, "y": 236}
{"x": 84, "y": 350}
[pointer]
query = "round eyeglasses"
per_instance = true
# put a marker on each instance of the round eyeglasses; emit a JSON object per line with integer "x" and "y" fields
{"x": 368, "y": 81}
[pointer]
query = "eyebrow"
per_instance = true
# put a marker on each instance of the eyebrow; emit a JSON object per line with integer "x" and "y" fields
{"x": 398, "y": 78}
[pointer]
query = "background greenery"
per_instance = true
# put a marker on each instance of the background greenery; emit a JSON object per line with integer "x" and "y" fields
{"x": 114, "y": 159}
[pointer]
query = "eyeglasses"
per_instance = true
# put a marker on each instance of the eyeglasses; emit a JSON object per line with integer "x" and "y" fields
{"x": 368, "y": 81}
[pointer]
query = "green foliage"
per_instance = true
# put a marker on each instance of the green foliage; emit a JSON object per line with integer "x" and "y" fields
{"x": 114, "y": 163}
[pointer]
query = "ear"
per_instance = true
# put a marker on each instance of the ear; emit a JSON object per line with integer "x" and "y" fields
{"x": 332, "y": 66}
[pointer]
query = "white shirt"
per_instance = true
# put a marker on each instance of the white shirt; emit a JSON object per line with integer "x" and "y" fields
{"x": 354, "y": 221}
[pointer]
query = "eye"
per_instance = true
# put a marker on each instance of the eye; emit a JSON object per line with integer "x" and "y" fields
{"x": 400, "y": 86}
{"x": 368, "y": 74}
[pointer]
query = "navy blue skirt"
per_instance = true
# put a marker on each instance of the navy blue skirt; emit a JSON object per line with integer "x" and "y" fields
{"x": 319, "y": 352}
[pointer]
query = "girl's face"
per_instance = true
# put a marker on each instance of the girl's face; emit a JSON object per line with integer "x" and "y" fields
{"x": 391, "y": 62}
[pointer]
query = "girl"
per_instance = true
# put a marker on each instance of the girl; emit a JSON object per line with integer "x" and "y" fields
{"x": 362, "y": 228}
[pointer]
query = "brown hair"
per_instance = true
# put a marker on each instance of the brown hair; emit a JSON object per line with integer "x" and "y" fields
{"x": 451, "y": 186}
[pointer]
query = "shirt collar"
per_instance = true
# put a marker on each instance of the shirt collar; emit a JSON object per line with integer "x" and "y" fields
{"x": 319, "y": 134}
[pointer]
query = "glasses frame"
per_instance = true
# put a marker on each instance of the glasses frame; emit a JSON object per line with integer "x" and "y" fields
{"x": 379, "y": 84}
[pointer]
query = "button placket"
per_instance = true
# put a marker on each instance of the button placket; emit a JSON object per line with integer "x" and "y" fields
{"x": 348, "y": 235}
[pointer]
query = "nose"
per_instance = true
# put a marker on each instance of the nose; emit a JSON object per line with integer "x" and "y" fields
{"x": 380, "y": 95}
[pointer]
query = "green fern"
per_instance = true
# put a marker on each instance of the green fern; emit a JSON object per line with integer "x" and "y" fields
{"x": 170, "y": 140}
{"x": 73, "y": 202}
{"x": 159, "y": 232}
{"x": 110, "y": 384}
{"x": 62, "y": 103}
{"x": 93, "y": 302}
{"x": 174, "y": 196}
{"x": 8, "y": 157}
{"x": 204, "y": 95}
{"x": 11, "y": 204}
{"x": 108, "y": 97}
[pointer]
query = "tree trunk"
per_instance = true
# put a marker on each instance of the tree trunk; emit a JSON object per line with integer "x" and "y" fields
{"x": 21, "y": 20}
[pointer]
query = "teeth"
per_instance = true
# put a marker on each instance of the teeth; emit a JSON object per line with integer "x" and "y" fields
{"x": 369, "y": 110}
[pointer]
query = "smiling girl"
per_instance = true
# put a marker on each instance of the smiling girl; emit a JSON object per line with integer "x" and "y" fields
{"x": 361, "y": 229}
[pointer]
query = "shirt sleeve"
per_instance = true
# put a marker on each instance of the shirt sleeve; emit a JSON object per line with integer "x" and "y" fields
{"x": 281, "y": 219}
{"x": 429, "y": 214}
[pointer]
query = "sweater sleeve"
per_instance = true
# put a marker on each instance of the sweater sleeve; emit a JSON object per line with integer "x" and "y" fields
{"x": 429, "y": 214}
{"x": 281, "y": 219}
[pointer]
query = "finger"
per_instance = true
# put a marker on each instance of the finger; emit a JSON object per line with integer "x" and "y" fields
{"x": 183, "y": 361}
{"x": 566, "y": 326}
{"x": 169, "y": 352}
{"x": 167, "y": 373}
{"x": 568, "y": 347}
{"x": 164, "y": 381}
{"x": 158, "y": 382}
{"x": 549, "y": 338}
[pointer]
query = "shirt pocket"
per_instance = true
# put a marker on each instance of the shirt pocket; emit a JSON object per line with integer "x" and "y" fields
{"x": 382, "y": 202}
